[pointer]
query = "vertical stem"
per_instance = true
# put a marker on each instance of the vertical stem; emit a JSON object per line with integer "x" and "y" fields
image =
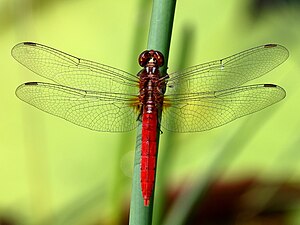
{"x": 161, "y": 27}
{"x": 170, "y": 138}
{"x": 159, "y": 39}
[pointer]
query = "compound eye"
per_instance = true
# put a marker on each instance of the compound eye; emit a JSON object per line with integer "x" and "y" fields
{"x": 159, "y": 58}
{"x": 144, "y": 58}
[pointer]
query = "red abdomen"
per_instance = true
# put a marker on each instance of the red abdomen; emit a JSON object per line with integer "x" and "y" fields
{"x": 148, "y": 153}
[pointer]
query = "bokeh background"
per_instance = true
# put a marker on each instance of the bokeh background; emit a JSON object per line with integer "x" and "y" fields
{"x": 54, "y": 172}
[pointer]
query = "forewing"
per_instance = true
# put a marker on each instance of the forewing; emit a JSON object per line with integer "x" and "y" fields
{"x": 72, "y": 71}
{"x": 94, "y": 110}
{"x": 229, "y": 72}
{"x": 204, "y": 111}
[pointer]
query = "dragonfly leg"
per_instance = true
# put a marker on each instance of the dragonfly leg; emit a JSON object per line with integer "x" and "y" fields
{"x": 161, "y": 84}
{"x": 139, "y": 117}
{"x": 159, "y": 125}
{"x": 164, "y": 77}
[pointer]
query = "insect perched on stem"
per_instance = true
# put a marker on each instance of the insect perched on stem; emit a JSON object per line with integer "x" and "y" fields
{"x": 107, "y": 99}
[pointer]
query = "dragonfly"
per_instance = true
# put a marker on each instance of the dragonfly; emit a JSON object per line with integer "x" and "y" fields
{"x": 107, "y": 99}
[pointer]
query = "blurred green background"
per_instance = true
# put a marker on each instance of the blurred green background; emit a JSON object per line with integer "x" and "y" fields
{"x": 54, "y": 172}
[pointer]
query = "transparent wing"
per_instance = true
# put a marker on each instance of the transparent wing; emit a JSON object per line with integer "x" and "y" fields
{"x": 229, "y": 72}
{"x": 207, "y": 110}
{"x": 98, "y": 111}
{"x": 72, "y": 71}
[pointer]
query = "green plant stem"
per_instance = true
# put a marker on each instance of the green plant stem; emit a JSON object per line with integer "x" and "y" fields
{"x": 170, "y": 138}
{"x": 161, "y": 27}
{"x": 159, "y": 39}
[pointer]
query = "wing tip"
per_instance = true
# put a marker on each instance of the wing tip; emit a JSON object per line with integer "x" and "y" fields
{"x": 23, "y": 85}
{"x": 26, "y": 43}
{"x": 29, "y": 43}
{"x": 283, "y": 92}
{"x": 272, "y": 45}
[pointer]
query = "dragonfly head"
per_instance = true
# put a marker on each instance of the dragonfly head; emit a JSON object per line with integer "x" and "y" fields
{"x": 151, "y": 58}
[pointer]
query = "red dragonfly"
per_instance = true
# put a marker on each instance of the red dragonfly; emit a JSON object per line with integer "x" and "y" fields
{"x": 107, "y": 99}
